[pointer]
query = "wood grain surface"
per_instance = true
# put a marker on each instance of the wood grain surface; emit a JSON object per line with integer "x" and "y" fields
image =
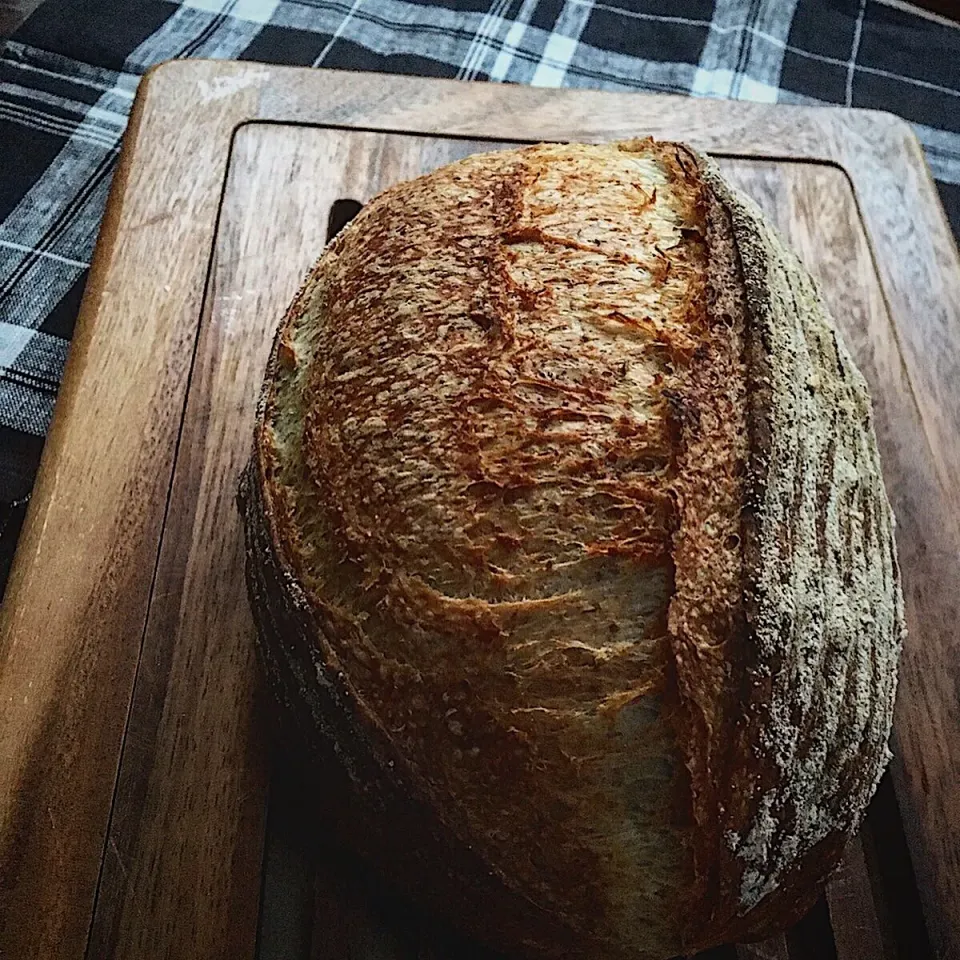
{"x": 183, "y": 849}
{"x": 146, "y": 631}
{"x": 854, "y": 915}
{"x": 72, "y": 622}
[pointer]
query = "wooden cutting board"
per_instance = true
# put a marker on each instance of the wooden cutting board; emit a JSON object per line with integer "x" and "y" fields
{"x": 135, "y": 765}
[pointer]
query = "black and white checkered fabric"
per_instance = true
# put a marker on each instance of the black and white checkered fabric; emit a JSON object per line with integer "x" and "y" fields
{"x": 68, "y": 78}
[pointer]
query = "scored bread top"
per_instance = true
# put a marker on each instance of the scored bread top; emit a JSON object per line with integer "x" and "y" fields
{"x": 524, "y": 445}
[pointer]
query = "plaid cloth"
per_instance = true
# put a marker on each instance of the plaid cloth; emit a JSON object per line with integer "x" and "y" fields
{"x": 69, "y": 74}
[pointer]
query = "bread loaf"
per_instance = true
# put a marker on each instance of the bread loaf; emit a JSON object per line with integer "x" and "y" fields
{"x": 567, "y": 537}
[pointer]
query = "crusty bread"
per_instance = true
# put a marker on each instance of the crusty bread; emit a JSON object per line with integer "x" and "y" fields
{"x": 567, "y": 536}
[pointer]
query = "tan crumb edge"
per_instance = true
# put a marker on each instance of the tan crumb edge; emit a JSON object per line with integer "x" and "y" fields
{"x": 523, "y": 490}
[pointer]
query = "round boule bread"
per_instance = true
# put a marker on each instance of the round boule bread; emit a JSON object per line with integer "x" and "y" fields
{"x": 567, "y": 540}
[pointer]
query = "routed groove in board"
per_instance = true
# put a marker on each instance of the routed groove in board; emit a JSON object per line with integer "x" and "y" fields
{"x": 811, "y": 938}
{"x": 890, "y": 860}
{"x": 341, "y": 213}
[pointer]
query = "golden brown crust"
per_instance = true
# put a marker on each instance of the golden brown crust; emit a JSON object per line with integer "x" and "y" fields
{"x": 367, "y": 802}
{"x": 500, "y": 491}
{"x": 516, "y": 491}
